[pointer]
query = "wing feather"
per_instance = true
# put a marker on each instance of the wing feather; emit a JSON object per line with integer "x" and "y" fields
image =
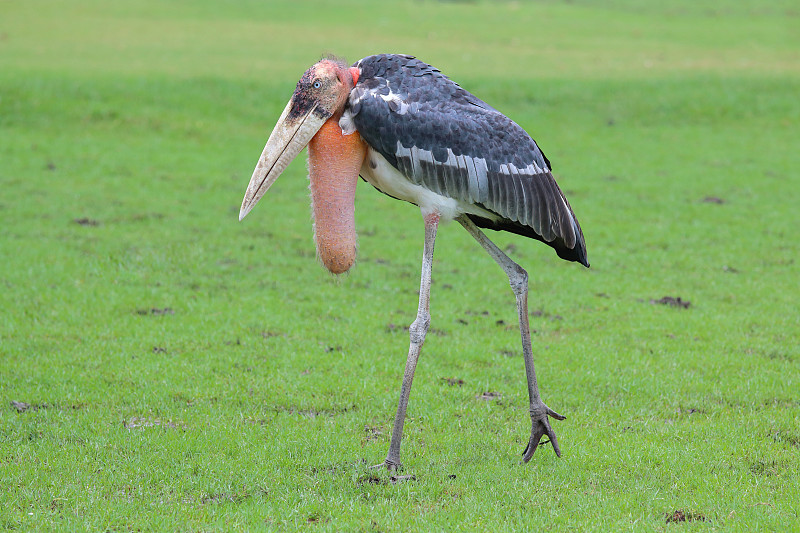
{"x": 523, "y": 195}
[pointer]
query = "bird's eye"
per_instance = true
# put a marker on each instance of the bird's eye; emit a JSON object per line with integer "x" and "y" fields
{"x": 316, "y": 85}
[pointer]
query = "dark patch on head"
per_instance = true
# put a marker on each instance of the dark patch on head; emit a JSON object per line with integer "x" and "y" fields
{"x": 306, "y": 96}
{"x": 322, "y": 113}
{"x": 303, "y": 100}
{"x": 315, "y": 86}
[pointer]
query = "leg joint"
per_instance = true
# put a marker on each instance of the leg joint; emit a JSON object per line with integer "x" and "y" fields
{"x": 419, "y": 328}
{"x": 518, "y": 279}
{"x": 538, "y": 409}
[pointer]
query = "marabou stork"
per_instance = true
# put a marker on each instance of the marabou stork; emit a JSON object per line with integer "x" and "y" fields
{"x": 415, "y": 135}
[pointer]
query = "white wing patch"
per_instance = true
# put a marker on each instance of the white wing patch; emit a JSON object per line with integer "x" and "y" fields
{"x": 420, "y": 167}
{"x": 460, "y": 184}
{"x": 397, "y": 104}
{"x": 397, "y": 183}
{"x": 530, "y": 170}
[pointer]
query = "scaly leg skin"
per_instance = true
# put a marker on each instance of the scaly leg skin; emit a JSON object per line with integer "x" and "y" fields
{"x": 540, "y": 425}
{"x": 518, "y": 279}
{"x": 417, "y": 332}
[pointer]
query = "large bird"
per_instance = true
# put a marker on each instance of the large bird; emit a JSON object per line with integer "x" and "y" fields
{"x": 417, "y": 136}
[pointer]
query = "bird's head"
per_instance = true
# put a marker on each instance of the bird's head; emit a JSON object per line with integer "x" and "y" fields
{"x": 320, "y": 94}
{"x": 311, "y": 118}
{"x": 322, "y": 90}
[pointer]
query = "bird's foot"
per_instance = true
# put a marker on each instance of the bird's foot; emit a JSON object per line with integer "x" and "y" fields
{"x": 391, "y": 466}
{"x": 540, "y": 426}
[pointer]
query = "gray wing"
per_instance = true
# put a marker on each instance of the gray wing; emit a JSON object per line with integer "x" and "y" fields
{"x": 442, "y": 137}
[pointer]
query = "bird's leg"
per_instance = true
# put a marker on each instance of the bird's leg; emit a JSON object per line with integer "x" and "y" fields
{"x": 518, "y": 279}
{"x": 417, "y": 332}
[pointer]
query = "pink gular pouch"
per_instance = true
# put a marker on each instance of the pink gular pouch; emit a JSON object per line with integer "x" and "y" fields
{"x": 334, "y": 160}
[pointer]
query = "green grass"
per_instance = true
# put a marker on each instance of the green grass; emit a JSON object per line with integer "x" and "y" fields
{"x": 185, "y": 371}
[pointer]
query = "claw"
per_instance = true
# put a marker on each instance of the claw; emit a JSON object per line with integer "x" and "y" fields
{"x": 540, "y": 426}
{"x": 388, "y": 465}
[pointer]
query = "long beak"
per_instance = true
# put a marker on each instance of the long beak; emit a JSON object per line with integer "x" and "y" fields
{"x": 288, "y": 138}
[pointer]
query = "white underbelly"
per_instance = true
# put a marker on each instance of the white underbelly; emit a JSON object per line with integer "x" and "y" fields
{"x": 387, "y": 179}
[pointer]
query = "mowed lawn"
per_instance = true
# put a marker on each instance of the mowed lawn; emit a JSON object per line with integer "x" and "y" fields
{"x": 166, "y": 367}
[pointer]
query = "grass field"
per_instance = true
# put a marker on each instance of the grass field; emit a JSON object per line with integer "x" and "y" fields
{"x": 165, "y": 367}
